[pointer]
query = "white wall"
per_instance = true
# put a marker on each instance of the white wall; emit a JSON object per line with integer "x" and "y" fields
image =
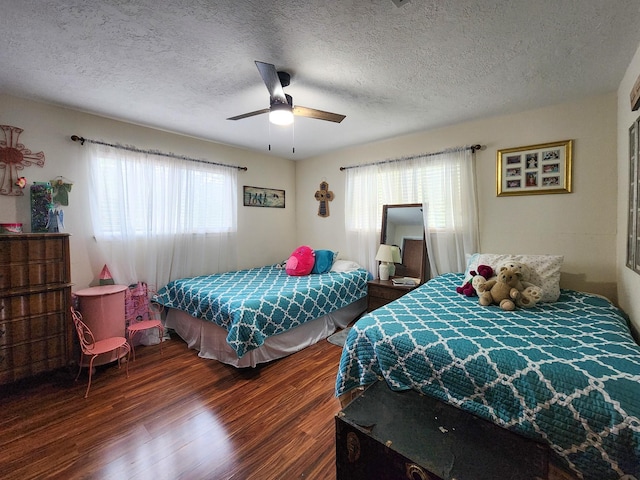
{"x": 266, "y": 235}
{"x": 580, "y": 225}
{"x": 628, "y": 280}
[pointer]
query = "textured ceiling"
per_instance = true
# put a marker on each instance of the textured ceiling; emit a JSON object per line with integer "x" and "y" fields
{"x": 185, "y": 66}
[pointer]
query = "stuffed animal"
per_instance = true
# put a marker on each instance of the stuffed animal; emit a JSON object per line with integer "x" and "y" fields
{"x": 501, "y": 291}
{"x": 468, "y": 289}
{"x": 485, "y": 272}
{"x": 300, "y": 262}
{"x": 529, "y": 297}
{"x": 530, "y": 294}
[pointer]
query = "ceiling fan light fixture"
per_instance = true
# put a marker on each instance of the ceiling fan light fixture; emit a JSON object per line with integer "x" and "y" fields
{"x": 281, "y": 114}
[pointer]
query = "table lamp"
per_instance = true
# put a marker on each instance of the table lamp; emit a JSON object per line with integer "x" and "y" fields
{"x": 396, "y": 259}
{"x": 385, "y": 257}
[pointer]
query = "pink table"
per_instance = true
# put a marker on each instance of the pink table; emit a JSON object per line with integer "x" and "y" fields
{"x": 102, "y": 309}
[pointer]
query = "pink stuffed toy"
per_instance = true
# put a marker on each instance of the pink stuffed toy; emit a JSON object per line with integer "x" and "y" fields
{"x": 301, "y": 261}
{"x": 468, "y": 289}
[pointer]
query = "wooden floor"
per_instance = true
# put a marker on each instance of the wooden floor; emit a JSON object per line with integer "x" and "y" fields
{"x": 177, "y": 416}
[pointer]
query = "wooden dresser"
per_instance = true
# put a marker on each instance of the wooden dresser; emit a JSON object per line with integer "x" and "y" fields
{"x": 35, "y": 296}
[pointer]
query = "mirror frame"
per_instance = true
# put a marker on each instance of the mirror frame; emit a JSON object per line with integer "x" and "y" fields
{"x": 419, "y": 256}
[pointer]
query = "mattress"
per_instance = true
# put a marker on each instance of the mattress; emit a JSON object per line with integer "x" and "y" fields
{"x": 565, "y": 373}
{"x": 255, "y": 304}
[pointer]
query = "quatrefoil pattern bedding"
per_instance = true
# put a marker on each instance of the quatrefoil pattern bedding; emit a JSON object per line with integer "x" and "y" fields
{"x": 565, "y": 373}
{"x": 258, "y": 303}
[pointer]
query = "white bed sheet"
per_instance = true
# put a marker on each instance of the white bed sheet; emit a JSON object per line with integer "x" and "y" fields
{"x": 211, "y": 340}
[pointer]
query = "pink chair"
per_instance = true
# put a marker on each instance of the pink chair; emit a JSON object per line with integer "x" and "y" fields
{"x": 138, "y": 326}
{"x": 90, "y": 347}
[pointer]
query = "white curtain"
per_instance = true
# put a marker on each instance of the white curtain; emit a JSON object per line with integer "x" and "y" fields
{"x": 158, "y": 218}
{"x": 452, "y": 231}
{"x": 443, "y": 183}
{"x": 362, "y": 216}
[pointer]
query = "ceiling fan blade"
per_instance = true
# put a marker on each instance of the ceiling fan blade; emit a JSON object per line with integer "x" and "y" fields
{"x": 270, "y": 78}
{"x": 318, "y": 114}
{"x": 250, "y": 114}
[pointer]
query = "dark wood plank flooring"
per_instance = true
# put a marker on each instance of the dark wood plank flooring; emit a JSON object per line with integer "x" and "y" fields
{"x": 177, "y": 416}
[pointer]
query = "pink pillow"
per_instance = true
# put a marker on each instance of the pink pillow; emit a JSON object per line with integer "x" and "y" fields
{"x": 300, "y": 262}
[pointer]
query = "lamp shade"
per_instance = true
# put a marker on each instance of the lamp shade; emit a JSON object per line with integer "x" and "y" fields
{"x": 385, "y": 254}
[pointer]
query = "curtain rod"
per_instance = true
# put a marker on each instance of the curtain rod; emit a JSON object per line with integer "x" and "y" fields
{"x": 76, "y": 138}
{"x": 473, "y": 148}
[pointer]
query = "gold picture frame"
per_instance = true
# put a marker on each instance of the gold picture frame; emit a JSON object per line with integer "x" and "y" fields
{"x": 535, "y": 169}
{"x": 633, "y": 219}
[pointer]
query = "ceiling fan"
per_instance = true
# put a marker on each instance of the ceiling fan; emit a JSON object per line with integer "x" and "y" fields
{"x": 282, "y": 110}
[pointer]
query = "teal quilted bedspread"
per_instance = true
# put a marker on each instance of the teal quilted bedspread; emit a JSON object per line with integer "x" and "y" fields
{"x": 261, "y": 302}
{"x": 565, "y": 373}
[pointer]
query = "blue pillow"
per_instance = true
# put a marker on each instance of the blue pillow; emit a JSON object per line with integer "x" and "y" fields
{"x": 324, "y": 260}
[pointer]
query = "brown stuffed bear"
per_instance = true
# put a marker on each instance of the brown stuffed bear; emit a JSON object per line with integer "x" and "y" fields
{"x": 530, "y": 294}
{"x": 502, "y": 290}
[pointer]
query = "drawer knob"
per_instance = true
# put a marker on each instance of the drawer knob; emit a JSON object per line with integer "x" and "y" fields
{"x": 353, "y": 447}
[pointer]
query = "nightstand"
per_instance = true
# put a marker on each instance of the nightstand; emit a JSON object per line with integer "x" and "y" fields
{"x": 381, "y": 292}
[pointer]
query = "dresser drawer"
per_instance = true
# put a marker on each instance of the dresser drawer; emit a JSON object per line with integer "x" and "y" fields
{"x": 31, "y": 328}
{"x": 31, "y": 262}
{"x": 385, "y": 292}
{"x": 18, "y": 307}
{"x": 30, "y": 358}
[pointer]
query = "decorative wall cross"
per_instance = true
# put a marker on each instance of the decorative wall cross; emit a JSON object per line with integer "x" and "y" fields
{"x": 13, "y": 158}
{"x": 324, "y": 196}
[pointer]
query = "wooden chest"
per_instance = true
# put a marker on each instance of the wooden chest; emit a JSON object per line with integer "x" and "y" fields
{"x": 35, "y": 292}
{"x": 404, "y": 435}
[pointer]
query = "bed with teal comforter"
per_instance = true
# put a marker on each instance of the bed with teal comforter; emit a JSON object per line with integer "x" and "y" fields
{"x": 262, "y": 302}
{"x": 565, "y": 373}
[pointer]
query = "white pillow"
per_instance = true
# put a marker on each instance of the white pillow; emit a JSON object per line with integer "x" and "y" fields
{"x": 545, "y": 270}
{"x": 343, "y": 266}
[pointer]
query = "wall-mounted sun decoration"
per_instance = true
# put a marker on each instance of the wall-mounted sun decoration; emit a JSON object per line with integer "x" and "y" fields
{"x": 13, "y": 158}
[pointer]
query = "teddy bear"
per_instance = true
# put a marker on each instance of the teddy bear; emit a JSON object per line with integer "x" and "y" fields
{"x": 530, "y": 294}
{"x": 502, "y": 290}
{"x": 468, "y": 289}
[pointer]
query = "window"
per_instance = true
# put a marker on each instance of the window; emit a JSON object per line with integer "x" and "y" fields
{"x": 408, "y": 184}
{"x": 138, "y": 194}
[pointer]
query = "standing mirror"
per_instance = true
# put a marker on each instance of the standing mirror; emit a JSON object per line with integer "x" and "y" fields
{"x": 402, "y": 225}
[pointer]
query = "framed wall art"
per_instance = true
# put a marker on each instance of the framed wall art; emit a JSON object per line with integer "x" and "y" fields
{"x": 263, "y": 197}
{"x": 535, "y": 169}
{"x": 633, "y": 221}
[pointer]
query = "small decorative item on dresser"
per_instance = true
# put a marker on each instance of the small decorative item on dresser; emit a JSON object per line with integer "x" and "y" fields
{"x": 10, "y": 228}
{"x": 41, "y": 205}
